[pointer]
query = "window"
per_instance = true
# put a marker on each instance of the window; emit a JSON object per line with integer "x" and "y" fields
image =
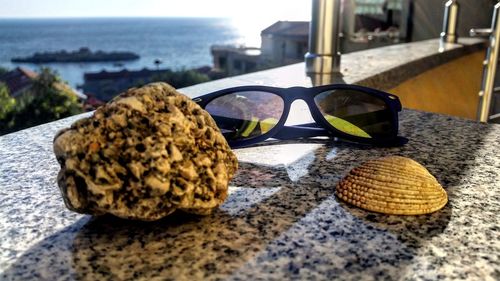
{"x": 237, "y": 64}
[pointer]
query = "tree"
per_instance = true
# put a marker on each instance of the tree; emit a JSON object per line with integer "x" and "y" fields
{"x": 48, "y": 99}
{"x": 7, "y": 103}
{"x": 3, "y": 71}
{"x": 181, "y": 78}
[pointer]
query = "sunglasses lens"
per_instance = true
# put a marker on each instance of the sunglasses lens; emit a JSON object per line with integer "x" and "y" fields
{"x": 356, "y": 113}
{"x": 246, "y": 115}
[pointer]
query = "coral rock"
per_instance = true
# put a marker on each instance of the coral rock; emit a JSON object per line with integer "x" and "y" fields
{"x": 147, "y": 153}
{"x": 392, "y": 185}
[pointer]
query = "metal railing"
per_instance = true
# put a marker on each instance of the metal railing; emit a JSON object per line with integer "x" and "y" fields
{"x": 490, "y": 65}
{"x": 324, "y": 37}
{"x": 450, "y": 22}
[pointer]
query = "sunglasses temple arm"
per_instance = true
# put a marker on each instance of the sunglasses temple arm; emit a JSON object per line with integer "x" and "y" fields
{"x": 300, "y": 131}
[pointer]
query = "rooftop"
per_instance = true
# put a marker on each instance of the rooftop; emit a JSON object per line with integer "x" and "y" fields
{"x": 247, "y": 51}
{"x": 18, "y": 79}
{"x": 288, "y": 29}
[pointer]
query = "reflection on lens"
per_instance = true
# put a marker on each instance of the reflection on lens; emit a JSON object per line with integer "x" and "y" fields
{"x": 245, "y": 115}
{"x": 356, "y": 113}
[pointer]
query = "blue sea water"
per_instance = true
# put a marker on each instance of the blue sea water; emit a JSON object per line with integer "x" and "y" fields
{"x": 181, "y": 43}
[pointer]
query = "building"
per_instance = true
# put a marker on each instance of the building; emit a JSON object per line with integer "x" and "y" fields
{"x": 234, "y": 60}
{"x": 18, "y": 81}
{"x": 366, "y": 24}
{"x": 92, "y": 103}
{"x": 106, "y": 85}
{"x": 284, "y": 42}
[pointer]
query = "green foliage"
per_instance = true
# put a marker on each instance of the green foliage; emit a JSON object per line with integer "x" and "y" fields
{"x": 181, "y": 78}
{"x": 3, "y": 71}
{"x": 48, "y": 99}
{"x": 7, "y": 103}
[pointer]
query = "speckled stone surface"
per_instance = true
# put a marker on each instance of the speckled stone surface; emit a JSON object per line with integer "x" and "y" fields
{"x": 281, "y": 221}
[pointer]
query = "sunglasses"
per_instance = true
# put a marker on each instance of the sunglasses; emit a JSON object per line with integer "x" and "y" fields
{"x": 251, "y": 114}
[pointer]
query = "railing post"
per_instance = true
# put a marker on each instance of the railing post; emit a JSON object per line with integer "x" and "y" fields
{"x": 490, "y": 66}
{"x": 449, "y": 34}
{"x": 324, "y": 37}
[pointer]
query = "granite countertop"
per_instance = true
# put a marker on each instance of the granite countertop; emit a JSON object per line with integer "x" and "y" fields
{"x": 281, "y": 220}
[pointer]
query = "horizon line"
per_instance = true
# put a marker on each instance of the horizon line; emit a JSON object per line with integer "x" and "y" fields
{"x": 110, "y": 17}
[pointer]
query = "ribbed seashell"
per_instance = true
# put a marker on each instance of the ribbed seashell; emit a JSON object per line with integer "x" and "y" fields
{"x": 392, "y": 185}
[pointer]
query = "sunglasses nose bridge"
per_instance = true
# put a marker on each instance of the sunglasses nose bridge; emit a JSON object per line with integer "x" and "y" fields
{"x": 300, "y": 93}
{"x": 297, "y": 93}
{"x": 301, "y": 112}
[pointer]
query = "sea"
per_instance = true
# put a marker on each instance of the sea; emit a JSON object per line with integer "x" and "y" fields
{"x": 180, "y": 43}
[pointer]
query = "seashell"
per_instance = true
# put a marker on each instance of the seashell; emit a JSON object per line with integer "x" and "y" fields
{"x": 392, "y": 185}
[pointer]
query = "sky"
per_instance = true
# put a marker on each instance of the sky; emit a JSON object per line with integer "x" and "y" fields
{"x": 236, "y": 9}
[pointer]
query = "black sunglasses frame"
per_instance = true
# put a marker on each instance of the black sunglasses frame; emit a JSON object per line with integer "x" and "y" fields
{"x": 322, "y": 126}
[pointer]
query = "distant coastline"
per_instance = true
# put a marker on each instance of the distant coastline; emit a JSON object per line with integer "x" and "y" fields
{"x": 82, "y": 55}
{"x": 180, "y": 43}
